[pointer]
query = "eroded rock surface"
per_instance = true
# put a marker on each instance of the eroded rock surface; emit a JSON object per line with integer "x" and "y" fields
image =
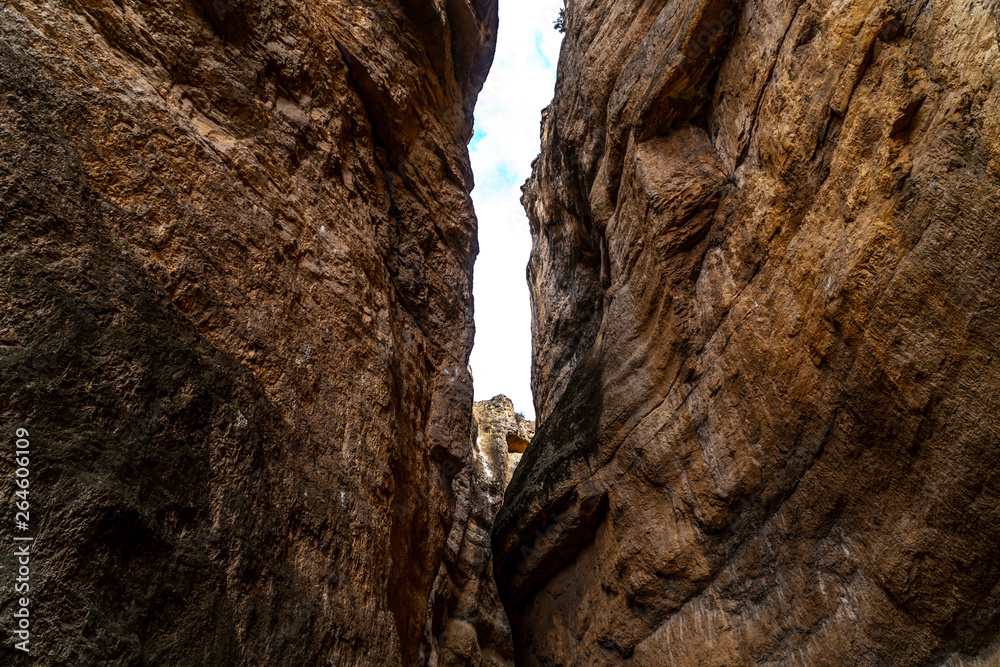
{"x": 765, "y": 289}
{"x": 474, "y": 626}
{"x": 502, "y": 428}
{"x": 236, "y": 246}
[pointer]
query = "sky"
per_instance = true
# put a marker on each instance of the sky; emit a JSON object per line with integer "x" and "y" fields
{"x": 506, "y": 140}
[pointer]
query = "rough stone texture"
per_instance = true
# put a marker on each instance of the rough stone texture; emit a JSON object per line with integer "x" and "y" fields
{"x": 236, "y": 247}
{"x": 504, "y": 428}
{"x": 766, "y": 287}
{"x": 475, "y": 630}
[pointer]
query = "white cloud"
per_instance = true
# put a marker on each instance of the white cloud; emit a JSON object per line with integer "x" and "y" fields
{"x": 508, "y": 113}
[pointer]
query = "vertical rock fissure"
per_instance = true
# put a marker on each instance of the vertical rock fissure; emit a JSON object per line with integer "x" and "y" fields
{"x": 474, "y": 629}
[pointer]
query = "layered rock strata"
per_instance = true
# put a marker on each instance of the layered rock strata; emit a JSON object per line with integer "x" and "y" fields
{"x": 764, "y": 283}
{"x": 236, "y": 251}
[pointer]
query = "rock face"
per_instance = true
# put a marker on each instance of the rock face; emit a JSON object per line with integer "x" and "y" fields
{"x": 475, "y": 630}
{"x": 765, "y": 289}
{"x": 504, "y": 429}
{"x": 236, "y": 251}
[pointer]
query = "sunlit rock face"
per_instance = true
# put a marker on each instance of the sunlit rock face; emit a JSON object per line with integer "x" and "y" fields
{"x": 236, "y": 251}
{"x": 503, "y": 430}
{"x": 765, "y": 286}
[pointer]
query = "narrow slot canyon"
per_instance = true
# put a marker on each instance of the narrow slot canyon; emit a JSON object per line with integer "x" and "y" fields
{"x": 740, "y": 410}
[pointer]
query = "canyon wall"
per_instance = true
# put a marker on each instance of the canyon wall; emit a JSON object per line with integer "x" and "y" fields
{"x": 765, "y": 290}
{"x": 236, "y": 246}
{"x": 474, "y": 627}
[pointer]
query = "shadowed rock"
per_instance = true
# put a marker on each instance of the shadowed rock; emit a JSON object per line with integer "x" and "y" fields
{"x": 236, "y": 246}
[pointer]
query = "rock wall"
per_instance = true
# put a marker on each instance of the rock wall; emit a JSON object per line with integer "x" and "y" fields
{"x": 505, "y": 429}
{"x": 236, "y": 247}
{"x": 765, "y": 290}
{"x": 473, "y": 628}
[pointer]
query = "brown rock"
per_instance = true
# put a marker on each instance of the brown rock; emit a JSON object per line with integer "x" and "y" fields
{"x": 473, "y": 628}
{"x": 764, "y": 283}
{"x": 236, "y": 245}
